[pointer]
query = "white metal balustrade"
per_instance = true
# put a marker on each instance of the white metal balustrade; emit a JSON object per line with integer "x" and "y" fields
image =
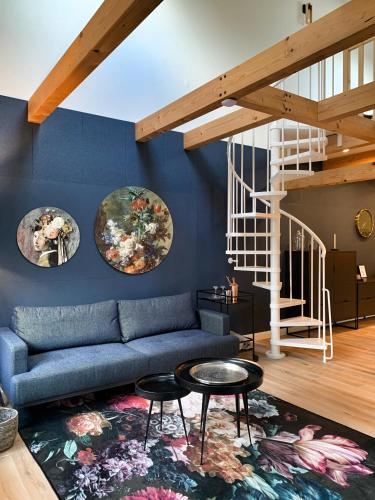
{"x": 253, "y": 244}
{"x": 255, "y": 220}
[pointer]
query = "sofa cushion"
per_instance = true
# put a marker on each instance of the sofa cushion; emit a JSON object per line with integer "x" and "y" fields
{"x": 79, "y": 369}
{"x": 170, "y": 349}
{"x": 144, "y": 317}
{"x": 48, "y": 328}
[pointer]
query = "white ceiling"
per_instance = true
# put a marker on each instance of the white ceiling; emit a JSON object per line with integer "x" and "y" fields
{"x": 180, "y": 46}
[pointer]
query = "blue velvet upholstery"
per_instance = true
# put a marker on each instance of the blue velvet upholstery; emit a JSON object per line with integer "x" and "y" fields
{"x": 175, "y": 347}
{"x": 48, "y": 328}
{"x": 55, "y": 373}
{"x": 140, "y": 318}
{"x": 13, "y": 357}
{"x": 214, "y": 322}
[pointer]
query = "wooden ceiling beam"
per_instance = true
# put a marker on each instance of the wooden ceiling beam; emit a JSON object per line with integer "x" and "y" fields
{"x": 269, "y": 104}
{"x": 352, "y": 23}
{"x": 232, "y": 123}
{"x": 110, "y": 25}
{"x": 336, "y": 146}
{"x": 334, "y": 177}
{"x": 352, "y": 160}
{"x": 359, "y": 149}
{"x": 288, "y": 105}
{"x": 349, "y": 103}
{"x": 353, "y": 126}
{"x": 283, "y": 104}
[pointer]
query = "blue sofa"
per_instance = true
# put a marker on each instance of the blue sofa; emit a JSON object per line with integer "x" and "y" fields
{"x": 54, "y": 352}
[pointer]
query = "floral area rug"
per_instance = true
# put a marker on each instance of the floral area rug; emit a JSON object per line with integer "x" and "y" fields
{"x": 92, "y": 447}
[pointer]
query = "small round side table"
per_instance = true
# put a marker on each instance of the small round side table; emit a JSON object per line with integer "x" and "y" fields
{"x": 161, "y": 387}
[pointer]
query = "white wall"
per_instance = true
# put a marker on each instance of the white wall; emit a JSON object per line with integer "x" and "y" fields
{"x": 180, "y": 46}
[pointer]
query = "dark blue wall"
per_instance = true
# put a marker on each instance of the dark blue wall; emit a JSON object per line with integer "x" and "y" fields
{"x": 73, "y": 161}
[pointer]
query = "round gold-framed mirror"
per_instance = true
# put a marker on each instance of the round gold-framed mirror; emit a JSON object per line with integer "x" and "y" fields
{"x": 364, "y": 223}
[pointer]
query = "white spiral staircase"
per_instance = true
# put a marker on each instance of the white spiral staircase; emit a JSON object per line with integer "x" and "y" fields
{"x": 257, "y": 231}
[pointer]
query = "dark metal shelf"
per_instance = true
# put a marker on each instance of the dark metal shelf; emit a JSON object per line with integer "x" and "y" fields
{"x": 225, "y": 304}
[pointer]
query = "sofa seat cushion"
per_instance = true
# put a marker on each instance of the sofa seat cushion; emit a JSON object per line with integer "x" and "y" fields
{"x": 49, "y": 328}
{"x": 144, "y": 317}
{"x": 170, "y": 349}
{"x": 58, "y": 373}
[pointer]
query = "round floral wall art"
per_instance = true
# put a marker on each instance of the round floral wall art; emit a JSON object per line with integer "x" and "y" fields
{"x": 48, "y": 236}
{"x": 133, "y": 230}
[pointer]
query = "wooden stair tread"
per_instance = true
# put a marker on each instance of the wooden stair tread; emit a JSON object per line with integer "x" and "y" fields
{"x": 254, "y": 215}
{"x": 305, "y": 343}
{"x": 292, "y": 144}
{"x": 268, "y": 195}
{"x": 305, "y": 157}
{"x": 266, "y": 285}
{"x": 298, "y": 321}
{"x": 290, "y": 175}
{"x": 256, "y": 269}
{"x": 288, "y": 302}
{"x": 248, "y": 235}
{"x": 248, "y": 252}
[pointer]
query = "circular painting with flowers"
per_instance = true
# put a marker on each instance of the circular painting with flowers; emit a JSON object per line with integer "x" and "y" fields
{"x": 48, "y": 236}
{"x": 133, "y": 230}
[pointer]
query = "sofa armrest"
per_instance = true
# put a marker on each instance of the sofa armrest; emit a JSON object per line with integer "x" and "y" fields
{"x": 214, "y": 322}
{"x": 13, "y": 356}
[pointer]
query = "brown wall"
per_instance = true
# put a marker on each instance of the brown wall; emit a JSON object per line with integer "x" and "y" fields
{"x": 332, "y": 210}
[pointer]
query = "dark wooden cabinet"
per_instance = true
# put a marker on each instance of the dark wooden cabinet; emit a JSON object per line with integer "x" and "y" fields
{"x": 366, "y": 297}
{"x": 341, "y": 281}
{"x": 296, "y": 258}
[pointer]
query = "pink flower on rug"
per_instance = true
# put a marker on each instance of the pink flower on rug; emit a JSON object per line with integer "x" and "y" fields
{"x": 333, "y": 456}
{"x": 122, "y": 403}
{"x": 176, "y": 442}
{"x": 86, "y": 457}
{"x": 91, "y": 423}
{"x": 220, "y": 459}
{"x": 191, "y": 405}
{"x": 177, "y": 448}
{"x": 152, "y": 493}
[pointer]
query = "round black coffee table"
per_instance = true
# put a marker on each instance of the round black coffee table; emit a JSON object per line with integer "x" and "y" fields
{"x": 253, "y": 381}
{"x": 161, "y": 387}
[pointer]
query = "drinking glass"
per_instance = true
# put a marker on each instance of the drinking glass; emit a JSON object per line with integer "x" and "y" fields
{"x": 215, "y": 287}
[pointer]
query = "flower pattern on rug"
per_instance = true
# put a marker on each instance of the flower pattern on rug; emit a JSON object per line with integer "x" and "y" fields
{"x": 332, "y": 456}
{"x": 96, "y": 450}
{"x": 87, "y": 424}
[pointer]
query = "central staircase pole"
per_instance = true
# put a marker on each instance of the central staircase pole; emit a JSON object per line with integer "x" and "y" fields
{"x": 274, "y": 352}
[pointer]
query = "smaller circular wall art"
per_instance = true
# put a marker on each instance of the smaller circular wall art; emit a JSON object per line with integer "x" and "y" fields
{"x": 133, "y": 230}
{"x": 48, "y": 236}
{"x": 364, "y": 223}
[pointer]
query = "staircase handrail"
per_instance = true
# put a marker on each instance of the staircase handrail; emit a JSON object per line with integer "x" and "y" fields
{"x": 282, "y": 212}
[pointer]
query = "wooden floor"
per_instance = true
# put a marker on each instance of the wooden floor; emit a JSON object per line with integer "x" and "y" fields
{"x": 342, "y": 390}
